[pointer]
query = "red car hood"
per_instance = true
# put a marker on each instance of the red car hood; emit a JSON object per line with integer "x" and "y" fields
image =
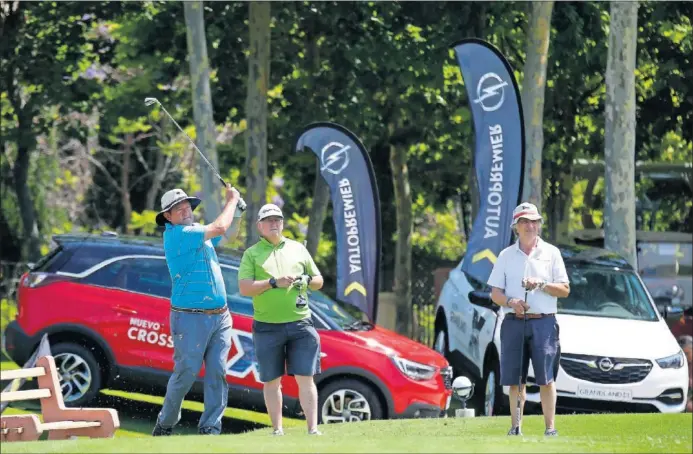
{"x": 389, "y": 342}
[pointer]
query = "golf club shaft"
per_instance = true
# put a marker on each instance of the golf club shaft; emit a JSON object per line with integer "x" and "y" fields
{"x": 241, "y": 203}
{"x": 518, "y": 409}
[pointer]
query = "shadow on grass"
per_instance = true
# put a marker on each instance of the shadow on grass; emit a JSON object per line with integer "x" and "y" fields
{"x": 140, "y": 417}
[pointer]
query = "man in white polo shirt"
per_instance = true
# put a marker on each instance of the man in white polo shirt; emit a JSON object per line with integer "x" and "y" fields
{"x": 534, "y": 268}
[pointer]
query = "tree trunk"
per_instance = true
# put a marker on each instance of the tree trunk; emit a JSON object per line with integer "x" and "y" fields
{"x": 125, "y": 182}
{"x": 403, "y": 248}
{"x": 533, "y": 88}
{"x": 619, "y": 132}
{"x": 202, "y": 107}
{"x": 321, "y": 191}
{"x": 256, "y": 113}
{"x": 157, "y": 180}
{"x": 321, "y": 197}
{"x": 31, "y": 244}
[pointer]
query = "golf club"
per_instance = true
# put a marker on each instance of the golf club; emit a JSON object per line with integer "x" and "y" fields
{"x": 518, "y": 409}
{"x": 151, "y": 101}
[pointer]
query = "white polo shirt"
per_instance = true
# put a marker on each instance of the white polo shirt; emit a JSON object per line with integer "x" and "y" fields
{"x": 545, "y": 262}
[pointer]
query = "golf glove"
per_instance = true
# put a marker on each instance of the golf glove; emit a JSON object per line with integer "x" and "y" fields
{"x": 300, "y": 283}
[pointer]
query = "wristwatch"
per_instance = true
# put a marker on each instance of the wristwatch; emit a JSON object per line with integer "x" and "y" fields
{"x": 310, "y": 278}
{"x": 273, "y": 282}
{"x": 542, "y": 285}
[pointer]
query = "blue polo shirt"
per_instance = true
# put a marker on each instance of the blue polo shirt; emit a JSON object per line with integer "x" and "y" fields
{"x": 197, "y": 282}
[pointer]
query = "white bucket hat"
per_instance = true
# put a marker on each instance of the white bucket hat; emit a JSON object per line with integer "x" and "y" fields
{"x": 528, "y": 211}
{"x": 172, "y": 197}
{"x": 268, "y": 210}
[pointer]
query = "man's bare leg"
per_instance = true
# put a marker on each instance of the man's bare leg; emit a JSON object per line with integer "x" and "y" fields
{"x": 547, "y": 393}
{"x": 272, "y": 392}
{"x": 308, "y": 396}
{"x": 513, "y": 404}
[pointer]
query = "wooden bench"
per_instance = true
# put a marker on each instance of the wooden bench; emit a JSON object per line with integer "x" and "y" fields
{"x": 60, "y": 422}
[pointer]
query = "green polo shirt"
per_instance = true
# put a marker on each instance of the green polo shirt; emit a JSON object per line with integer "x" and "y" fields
{"x": 262, "y": 261}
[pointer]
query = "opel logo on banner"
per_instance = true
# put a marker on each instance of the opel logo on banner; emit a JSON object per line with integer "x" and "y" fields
{"x": 606, "y": 364}
{"x": 334, "y": 157}
{"x": 490, "y": 92}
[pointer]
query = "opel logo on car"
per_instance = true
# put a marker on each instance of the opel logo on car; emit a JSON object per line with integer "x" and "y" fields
{"x": 490, "y": 92}
{"x": 334, "y": 157}
{"x": 606, "y": 364}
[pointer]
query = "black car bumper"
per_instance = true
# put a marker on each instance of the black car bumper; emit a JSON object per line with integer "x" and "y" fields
{"x": 421, "y": 410}
{"x": 16, "y": 344}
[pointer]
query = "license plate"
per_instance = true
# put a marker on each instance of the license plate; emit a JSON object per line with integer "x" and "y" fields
{"x": 589, "y": 392}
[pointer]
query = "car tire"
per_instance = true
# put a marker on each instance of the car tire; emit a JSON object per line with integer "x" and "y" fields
{"x": 79, "y": 374}
{"x": 489, "y": 389}
{"x": 362, "y": 402}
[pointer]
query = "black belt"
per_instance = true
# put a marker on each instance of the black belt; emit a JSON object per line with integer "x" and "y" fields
{"x": 529, "y": 316}
{"x": 220, "y": 310}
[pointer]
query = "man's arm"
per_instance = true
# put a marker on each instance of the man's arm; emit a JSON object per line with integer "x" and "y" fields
{"x": 557, "y": 289}
{"x": 222, "y": 223}
{"x": 249, "y": 287}
{"x": 560, "y": 287}
{"x": 232, "y": 232}
{"x": 498, "y": 296}
{"x": 316, "y": 282}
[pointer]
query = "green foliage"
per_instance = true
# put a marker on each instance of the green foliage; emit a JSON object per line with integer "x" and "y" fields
{"x": 366, "y": 65}
{"x": 437, "y": 232}
{"x": 8, "y": 312}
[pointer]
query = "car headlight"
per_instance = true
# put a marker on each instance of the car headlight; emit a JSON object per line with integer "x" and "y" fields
{"x": 672, "y": 362}
{"x": 414, "y": 370}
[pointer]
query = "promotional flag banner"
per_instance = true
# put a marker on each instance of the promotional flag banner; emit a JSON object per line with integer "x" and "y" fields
{"x": 499, "y": 152}
{"x": 346, "y": 167}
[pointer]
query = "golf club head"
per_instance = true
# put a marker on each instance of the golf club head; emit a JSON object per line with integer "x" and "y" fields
{"x": 150, "y": 101}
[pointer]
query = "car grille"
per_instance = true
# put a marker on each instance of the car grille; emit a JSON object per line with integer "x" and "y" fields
{"x": 602, "y": 369}
{"x": 446, "y": 373}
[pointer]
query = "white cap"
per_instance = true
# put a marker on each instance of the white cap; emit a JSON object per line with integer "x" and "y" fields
{"x": 268, "y": 210}
{"x": 526, "y": 210}
{"x": 172, "y": 197}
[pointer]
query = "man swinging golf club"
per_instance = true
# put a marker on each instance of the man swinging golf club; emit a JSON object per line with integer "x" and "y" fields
{"x": 200, "y": 319}
{"x": 529, "y": 328}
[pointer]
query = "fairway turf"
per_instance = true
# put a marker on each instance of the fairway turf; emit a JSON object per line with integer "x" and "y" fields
{"x": 578, "y": 433}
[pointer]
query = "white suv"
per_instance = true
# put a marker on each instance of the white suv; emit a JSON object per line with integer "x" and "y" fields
{"x": 617, "y": 352}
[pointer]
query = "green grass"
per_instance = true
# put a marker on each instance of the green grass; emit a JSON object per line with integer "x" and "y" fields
{"x": 578, "y": 433}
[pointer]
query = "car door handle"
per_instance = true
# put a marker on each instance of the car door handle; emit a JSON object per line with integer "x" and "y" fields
{"x": 125, "y": 310}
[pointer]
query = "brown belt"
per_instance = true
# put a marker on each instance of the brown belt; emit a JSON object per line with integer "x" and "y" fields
{"x": 220, "y": 310}
{"x": 529, "y": 316}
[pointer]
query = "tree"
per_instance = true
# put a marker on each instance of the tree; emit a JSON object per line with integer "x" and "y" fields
{"x": 533, "y": 86}
{"x": 619, "y": 131}
{"x": 202, "y": 106}
{"x": 403, "y": 249}
{"x": 256, "y": 112}
{"x": 43, "y": 53}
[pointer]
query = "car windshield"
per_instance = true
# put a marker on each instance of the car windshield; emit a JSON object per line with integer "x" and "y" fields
{"x": 606, "y": 292}
{"x": 333, "y": 310}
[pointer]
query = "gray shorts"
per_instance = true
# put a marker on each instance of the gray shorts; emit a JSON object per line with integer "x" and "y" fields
{"x": 292, "y": 348}
{"x": 541, "y": 344}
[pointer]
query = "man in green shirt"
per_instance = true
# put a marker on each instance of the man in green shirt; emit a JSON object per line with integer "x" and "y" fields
{"x": 277, "y": 272}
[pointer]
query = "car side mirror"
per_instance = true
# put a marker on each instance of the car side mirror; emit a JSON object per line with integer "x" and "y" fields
{"x": 482, "y": 298}
{"x": 672, "y": 313}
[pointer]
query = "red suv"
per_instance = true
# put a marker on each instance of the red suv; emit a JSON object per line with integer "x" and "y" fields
{"x": 104, "y": 302}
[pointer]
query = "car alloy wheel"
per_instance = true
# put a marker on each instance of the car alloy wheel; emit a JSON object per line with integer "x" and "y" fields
{"x": 439, "y": 344}
{"x": 490, "y": 394}
{"x": 75, "y": 376}
{"x": 345, "y": 405}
